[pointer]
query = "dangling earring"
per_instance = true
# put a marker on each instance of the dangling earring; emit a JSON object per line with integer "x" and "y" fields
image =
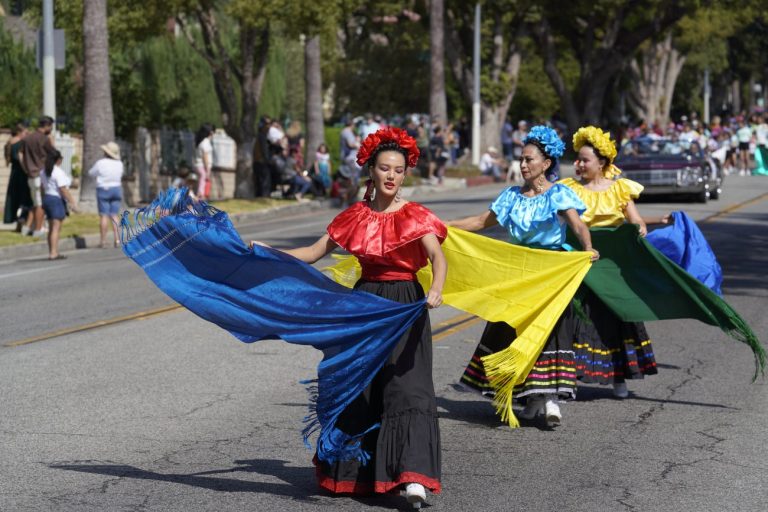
{"x": 370, "y": 190}
{"x": 539, "y": 185}
{"x": 397, "y": 195}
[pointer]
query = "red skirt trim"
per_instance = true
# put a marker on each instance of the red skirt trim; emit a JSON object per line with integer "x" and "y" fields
{"x": 354, "y": 487}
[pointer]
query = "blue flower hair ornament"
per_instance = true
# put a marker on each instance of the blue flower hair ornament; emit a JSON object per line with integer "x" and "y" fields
{"x": 547, "y": 138}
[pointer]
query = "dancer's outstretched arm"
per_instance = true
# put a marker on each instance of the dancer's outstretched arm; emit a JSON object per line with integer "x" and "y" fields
{"x": 476, "y": 222}
{"x": 310, "y": 253}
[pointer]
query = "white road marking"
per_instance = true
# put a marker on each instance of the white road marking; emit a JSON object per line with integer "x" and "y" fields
{"x": 31, "y": 271}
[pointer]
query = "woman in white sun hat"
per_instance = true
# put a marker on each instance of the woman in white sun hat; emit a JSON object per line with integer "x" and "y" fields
{"x": 108, "y": 172}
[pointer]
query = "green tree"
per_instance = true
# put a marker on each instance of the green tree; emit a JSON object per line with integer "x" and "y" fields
{"x": 503, "y": 35}
{"x": 239, "y": 69}
{"x": 384, "y": 52}
{"x": 317, "y": 23}
{"x": 129, "y": 24}
{"x": 604, "y": 34}
{"x": 21, "y": 93}
{"x": 698, "y": 41}
{"x": 379, "y": 59}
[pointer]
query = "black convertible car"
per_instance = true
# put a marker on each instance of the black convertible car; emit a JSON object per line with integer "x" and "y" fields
{"x": 671, "y": 167}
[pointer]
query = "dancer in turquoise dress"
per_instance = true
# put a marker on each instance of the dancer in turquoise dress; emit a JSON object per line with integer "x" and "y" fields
{"x": 535, "y": 215}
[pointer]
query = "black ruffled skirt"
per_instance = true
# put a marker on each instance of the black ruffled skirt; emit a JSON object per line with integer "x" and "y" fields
{"x": 609, "y": 350}
{"x": 18, "y": 195}
{"x": 554, "y": 372}
{"x": 401, "y": 397}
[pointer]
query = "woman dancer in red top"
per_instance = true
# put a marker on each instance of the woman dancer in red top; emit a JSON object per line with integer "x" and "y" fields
{"x": 392, "y": 238}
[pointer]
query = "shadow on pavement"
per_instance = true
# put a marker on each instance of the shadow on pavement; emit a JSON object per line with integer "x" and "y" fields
{"x": 299, "y": 482}
{"x": 633, "y": 396}
{"x": 481, "y": 413}
{"x": 592, "y": 393}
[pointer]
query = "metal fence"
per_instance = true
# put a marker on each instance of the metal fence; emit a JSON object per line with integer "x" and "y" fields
{"x": 177, "y": 149}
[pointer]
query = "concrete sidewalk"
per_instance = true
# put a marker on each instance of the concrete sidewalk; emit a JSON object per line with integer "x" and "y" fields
{"x": 36, "y": 249}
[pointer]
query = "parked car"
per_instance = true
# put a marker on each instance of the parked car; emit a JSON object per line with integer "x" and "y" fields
{"x": 671, "y": 167}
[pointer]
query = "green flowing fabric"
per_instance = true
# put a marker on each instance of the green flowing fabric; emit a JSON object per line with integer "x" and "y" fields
{"x": 640, "y": 284}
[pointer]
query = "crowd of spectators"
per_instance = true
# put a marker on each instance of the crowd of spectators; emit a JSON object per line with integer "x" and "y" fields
{"x": 736, "y": 143}
{"x": 739, "y": 144}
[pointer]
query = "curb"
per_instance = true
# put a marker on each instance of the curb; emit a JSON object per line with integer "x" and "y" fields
{"x": 91, "y": 241}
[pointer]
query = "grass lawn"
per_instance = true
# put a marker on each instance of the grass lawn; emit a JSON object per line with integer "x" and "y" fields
{"x": 88, "y": 223}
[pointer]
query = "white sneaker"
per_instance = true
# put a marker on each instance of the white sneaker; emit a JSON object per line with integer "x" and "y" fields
{"x": 26, "y": 231}
{"x": 620, "y": 390}
{"x": 552, "y": 413}
{"x": 533, "y": 407}
{"x": 415, "y": 494}
{"x": 40, "y": 234}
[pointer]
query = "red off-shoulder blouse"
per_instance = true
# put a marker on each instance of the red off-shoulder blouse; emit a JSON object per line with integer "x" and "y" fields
{"x": 386, "y": 244}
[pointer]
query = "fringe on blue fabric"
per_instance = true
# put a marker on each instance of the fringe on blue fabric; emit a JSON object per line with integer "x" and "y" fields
{"x": 192, "y": 252}
{"x": 684, "y": 243}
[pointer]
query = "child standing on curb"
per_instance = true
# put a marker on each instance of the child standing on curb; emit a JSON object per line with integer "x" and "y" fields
{"x": 55, "y": 184}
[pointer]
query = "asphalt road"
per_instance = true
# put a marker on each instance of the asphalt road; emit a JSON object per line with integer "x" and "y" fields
{"x": 167, "y": 412}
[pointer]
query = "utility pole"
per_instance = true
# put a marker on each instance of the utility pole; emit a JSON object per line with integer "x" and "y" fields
{"x": 707, "y": 93}
{"x": 476, "y": 91}
{"x": 49, "y": 62}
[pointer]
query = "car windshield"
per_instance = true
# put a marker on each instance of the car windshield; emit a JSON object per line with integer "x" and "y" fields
{"x": 644, "y": 148}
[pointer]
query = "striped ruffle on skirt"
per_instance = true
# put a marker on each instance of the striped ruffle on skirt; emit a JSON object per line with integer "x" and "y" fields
{"x": 609, "y": 350}
{"x": 554, "y": 372}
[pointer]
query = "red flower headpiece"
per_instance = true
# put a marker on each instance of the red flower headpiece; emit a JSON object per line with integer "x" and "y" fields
{"x": 396, "y": 135}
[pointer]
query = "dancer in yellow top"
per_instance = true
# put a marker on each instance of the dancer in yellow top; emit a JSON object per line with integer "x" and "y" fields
{"x": 608, "y": 350}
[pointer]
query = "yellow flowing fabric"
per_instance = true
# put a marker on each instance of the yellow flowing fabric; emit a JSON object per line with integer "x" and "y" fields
{"x": 527, "y": 288}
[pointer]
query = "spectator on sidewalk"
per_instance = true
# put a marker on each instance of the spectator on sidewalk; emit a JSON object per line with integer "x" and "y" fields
{"x": 507, "y": 142}
{"x": 262, "y": 168}
{"x": 349, "y": 140}
{"x": 204, "y": 159}
{"x": 438, "y": 154}
{"x": 452, "y": 142}
{"x": 18, "y": 201}
{"x": 55, "y": 183}
{"x": 518, "y": 136}
{"x": 276, "y": 138}
{"x": 295, "y": 138}
{"x": 108, "y": 173}
{"x": 744, "y": 135}
{"x": 492, "y": 164}
{"x": 187, "y": 179}
{"x": 293, "y": 175}
{"x": 34, "y": 152}
{"x": 321, "y": 175}
{"x": 371, "y": 125}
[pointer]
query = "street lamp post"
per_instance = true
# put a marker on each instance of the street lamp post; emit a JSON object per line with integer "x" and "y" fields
{"x": 49, "y": 61}
{"x": 707, "y": 93}
{"x": 476, "y": 91}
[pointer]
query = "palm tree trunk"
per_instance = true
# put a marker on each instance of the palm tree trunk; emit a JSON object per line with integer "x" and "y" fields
{"x": 314, "y": 98}
{"x": 438, "y": 107}
{"x": 98, "y": 120}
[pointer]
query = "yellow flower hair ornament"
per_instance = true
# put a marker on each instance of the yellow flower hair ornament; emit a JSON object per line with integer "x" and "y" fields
{"x": 602, "y": 142}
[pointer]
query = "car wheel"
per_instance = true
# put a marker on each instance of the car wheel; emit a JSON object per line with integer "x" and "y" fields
{"x": 715, "y": 194}
{"x": 702, "y": 196}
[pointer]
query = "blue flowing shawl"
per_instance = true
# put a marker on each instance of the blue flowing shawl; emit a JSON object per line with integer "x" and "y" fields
{"x": 684, "y": 243}
{"x": 193, "y": 253}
